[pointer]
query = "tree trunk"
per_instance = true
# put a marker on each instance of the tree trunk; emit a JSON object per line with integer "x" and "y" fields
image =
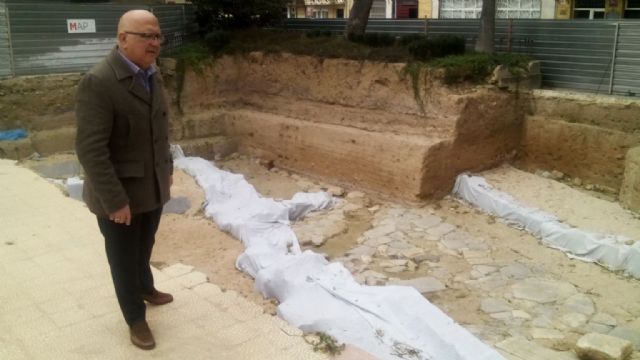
{"x": 358, "y": 17}
{"x": 487, "y": 27}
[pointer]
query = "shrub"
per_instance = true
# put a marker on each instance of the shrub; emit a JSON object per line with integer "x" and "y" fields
{"x": 373, "y": 39}
{"x": 217, "y": 40}
{"x": 235, "y": 14}
{"x": 318, "y": 33}
{"x": 408, "y": 39}
{"x": 440, "y": 46}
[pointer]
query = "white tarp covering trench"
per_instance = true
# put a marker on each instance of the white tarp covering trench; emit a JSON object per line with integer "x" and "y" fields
{"x": 611, "y": 251}
{"x": 390, "y": 322}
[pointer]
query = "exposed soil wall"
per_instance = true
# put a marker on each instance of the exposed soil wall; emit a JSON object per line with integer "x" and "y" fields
{"x": 582, "y": 136}
{"x": 42, "y": 105}
{"x": 38, "y": 103}
{"x": 630, "y": 190}
{"x": 374, "y": 125}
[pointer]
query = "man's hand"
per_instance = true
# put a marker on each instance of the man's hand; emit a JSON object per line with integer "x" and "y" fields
{"x": 122, "y": 216}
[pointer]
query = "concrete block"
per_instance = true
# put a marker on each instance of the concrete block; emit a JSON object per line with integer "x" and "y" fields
{"x": 630, "y": 189}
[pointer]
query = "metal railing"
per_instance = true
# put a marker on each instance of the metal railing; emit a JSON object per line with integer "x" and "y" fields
{"x": 599, "y": 56}
{"x": 34, "y": 37}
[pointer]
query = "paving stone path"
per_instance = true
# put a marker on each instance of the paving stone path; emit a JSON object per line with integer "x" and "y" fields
{"x": 57, "y": 299}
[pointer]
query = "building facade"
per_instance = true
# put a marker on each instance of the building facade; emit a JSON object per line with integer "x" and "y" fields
{"x": 471, "y": 9}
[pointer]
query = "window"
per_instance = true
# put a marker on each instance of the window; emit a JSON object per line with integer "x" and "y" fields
{"x": 589, "y": 9}
{"x": 518, "y": 9}
{"x": 320, "y": 14}
{"x": 460, "y": 9}
{"x": 339, "y": 13}
{"x": 505, "y": 9}
{"x": 291, "y": 12}
{"x": 632, "y": 9}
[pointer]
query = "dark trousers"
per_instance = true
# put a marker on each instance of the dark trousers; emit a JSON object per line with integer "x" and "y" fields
{"x": 128, "y": 250}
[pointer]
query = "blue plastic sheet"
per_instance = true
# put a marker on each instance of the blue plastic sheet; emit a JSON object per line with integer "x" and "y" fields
{"x": 13, "y": 134}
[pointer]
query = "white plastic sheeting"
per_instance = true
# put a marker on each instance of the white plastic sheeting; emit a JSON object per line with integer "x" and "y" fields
{"x": 392, "y": 322}
{"x": 610, "y": 251}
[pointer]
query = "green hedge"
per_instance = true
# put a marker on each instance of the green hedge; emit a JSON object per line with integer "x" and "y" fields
{"x": 423, "y": 48}
{"x": 373, "y": 39}
{"x": 217, "y": 40}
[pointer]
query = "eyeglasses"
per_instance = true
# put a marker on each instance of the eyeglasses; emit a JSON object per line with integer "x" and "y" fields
{"x": 147, "y": 36}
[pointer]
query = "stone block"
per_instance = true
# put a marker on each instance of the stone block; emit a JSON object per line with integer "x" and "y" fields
{"x": 492, "y": 305}
{"x": 594, "y": 346}
{"x": 543, "y": 290}
{"x": 423, "y": 285}
{"x": 630, "y": 189}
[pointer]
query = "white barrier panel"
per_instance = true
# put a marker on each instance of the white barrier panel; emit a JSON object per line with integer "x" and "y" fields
{"x": 610, "y": 251}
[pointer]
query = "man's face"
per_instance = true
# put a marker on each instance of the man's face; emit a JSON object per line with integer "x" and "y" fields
{"x": 136, "y": 47}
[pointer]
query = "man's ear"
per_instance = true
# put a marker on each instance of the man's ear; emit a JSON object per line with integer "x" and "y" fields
{"x": 121, "y": 39}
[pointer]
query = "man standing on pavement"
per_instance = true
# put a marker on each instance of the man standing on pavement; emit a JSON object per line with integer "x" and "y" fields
{"x": 123, "y": 146}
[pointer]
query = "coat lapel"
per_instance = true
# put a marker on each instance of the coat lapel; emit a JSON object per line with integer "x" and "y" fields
{"x": 124, "y": 74}
{"x": 139, "y": 90}
{"x": 156, "y": 92}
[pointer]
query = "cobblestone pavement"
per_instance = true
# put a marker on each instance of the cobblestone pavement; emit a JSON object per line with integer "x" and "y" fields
{"x": 495, "y": 284}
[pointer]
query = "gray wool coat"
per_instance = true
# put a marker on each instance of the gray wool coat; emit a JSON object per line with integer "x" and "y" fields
{"x": 122, "y": 140}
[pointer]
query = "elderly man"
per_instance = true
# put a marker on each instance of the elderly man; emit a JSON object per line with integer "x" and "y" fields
{"x": 122, "y": 144}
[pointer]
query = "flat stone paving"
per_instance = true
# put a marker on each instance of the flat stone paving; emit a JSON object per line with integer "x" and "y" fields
{"x": 57, "y": 300}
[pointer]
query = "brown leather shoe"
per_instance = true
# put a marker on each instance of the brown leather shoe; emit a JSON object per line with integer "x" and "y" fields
{"x": 141, "y": 335}
{"x": 158, "y": 298}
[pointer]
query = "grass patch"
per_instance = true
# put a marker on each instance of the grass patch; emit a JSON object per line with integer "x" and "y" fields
{"x": 324, "y": 343}
{"x": 477, "y": 67}
{"x": 414, "y": 69}
{"x": 192, "y": 54}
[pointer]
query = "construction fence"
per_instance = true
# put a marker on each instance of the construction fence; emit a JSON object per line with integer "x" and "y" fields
{"x": 600, "y": 56}
{"x": 46, "y": 38}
